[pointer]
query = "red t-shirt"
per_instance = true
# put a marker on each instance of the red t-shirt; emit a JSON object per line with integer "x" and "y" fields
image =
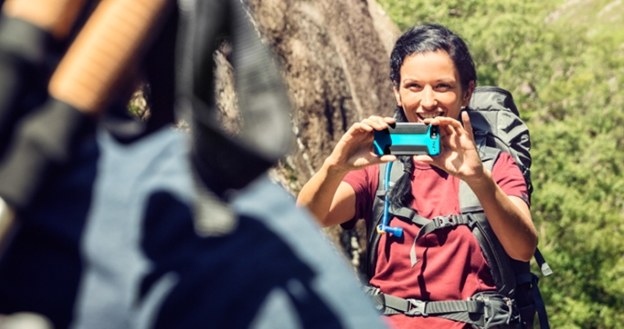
{"x": 450, "y": 264}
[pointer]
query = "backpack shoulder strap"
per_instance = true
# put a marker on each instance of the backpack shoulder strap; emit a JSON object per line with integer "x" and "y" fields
{"x": 508, "y": 274}
{"x": 378, "y": 209}
{"x": 500, "y": 263}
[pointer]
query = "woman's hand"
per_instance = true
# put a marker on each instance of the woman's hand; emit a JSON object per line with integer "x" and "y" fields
{"x": 459, "y": 155}
{"x": 355, "y": 149}
{"x": 509, "y": 216}
{"x": 331, "y": 200}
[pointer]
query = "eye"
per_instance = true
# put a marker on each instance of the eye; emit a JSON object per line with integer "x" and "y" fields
{"x": 443, "y": 87}
{"x": 413, "y": 86}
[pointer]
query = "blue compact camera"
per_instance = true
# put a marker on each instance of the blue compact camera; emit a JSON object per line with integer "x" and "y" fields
{"x": 408, "y": 138}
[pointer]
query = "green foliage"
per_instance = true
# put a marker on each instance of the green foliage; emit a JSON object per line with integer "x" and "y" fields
{"x": 564, "y": 63}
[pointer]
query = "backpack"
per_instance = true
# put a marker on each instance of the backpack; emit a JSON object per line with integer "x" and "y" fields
{"x": 497, "y": 128}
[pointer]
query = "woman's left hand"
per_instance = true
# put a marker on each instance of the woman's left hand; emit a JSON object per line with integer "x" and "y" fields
{"x": 459, "y": 155}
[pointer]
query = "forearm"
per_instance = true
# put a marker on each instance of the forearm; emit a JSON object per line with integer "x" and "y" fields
{"x": 318, "y": 193}
{"x": 509, "y": 217}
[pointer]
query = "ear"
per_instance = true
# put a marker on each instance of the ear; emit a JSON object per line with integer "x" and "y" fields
{"x": 468, "y": 93}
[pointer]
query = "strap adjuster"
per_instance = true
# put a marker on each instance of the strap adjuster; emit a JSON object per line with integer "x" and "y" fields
{"x": 416, "y": 307}
{"x": 444, "y": 221}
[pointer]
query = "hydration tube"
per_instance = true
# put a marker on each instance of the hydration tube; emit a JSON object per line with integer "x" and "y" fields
{"x": 384, "y": 227}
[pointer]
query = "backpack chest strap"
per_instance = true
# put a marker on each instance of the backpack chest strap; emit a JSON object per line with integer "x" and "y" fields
{"x": 443, "y": 222}
{"x": 429, "y": 225}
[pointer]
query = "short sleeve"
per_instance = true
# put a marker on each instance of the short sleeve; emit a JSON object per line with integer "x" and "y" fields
{"x": 509, "y": 178}
{"x": 364, "y": 183}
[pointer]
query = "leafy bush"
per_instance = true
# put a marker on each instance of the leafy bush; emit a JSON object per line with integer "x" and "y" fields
{"x": 563, "y": 62}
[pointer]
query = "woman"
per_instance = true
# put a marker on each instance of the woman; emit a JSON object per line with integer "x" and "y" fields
{"x": 433, "y": 76}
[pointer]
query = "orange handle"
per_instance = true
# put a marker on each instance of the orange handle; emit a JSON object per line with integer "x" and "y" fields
{"x": 103, "y": 50}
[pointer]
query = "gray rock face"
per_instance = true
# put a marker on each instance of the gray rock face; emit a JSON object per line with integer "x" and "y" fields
{"x": 334, "y": 59}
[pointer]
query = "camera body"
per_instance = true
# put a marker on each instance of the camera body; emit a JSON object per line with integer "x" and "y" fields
{"x": 408, "y": 138}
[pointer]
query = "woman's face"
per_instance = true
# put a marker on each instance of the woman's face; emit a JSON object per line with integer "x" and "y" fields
{"x": 430, "y": 87}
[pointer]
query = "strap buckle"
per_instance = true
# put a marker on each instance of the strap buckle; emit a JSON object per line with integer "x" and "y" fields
{"x": 445, "y": 221}
{"x": 416, "y": 307}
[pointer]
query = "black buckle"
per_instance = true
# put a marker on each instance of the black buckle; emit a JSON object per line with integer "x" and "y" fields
{"x": 416, "y": 307}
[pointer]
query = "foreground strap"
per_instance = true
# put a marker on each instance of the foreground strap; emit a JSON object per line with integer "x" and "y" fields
{"x": 224, "y": 160}
{"x": 44, "y": 139}
{"x": 22, "y": 52}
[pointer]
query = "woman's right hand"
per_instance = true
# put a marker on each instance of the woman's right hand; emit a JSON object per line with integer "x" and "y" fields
{"x": 331, "y": 200}
{"x": 354, "y": 150}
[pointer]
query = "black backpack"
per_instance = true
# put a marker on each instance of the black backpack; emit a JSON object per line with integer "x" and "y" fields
{"x": 497, "y": 127}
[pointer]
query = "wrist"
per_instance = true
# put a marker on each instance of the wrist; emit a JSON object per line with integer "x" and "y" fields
{"x": 334, "y": 168}
{"x": 480, "y": 178}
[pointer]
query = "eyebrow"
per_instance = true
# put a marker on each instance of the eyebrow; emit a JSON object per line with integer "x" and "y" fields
{"x": 443, "y": 80}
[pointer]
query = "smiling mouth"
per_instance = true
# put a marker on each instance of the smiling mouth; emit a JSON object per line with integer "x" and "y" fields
{"x": 423, "y": 116}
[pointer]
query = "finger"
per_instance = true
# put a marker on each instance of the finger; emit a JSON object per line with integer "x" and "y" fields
{"x": 444, "y": 123}
{"x": 452, "y": 137}
{"x": 424, "y": 158}
{"x": 375, "y": 122}
{"x": 448, "y": 130}
{"x": 467, "y": 124}
{"x": 389, "y": 120}
{"x": 430, "y": 121}
{"x": 448, "y": 127}
{"x": 360, "y": 127}
{"x": 388, "y": 158}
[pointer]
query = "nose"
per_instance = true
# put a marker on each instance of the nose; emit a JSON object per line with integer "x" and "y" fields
{"x": 428, "y": 101}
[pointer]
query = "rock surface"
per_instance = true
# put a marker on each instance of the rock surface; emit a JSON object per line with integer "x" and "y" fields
{"x": 334, "y": 59}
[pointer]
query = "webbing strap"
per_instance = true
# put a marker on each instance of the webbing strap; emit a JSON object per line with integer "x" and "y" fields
{"x": 442, "y": 222}
{"x": 540, "y": 307}
{"x": 417, "y": 307}
{"x": 541, "y": 262}
{"x": 409, "y": 215}
{"x": 468, "y": 311}
{"x": 429, "y": 225}
{"x": 486, "y": 309}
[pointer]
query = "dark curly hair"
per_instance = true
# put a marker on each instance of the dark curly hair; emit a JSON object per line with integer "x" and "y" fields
{"x": 430, "y": 38}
